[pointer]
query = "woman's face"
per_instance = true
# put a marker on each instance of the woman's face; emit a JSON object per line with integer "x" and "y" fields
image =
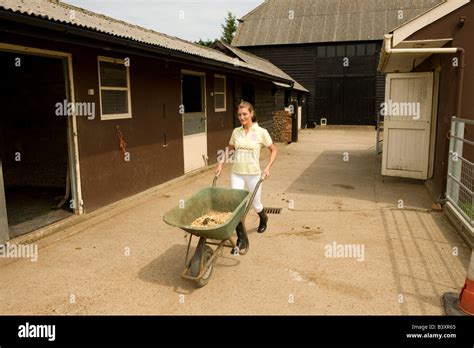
{"x": 245, "y": 116}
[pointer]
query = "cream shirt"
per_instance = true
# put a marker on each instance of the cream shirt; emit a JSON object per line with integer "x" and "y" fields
{"x": 247, "y": 149}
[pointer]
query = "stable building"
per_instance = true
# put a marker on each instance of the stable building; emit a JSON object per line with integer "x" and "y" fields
{"x": 429, "y": 63}
{"x": 95, "y": 110}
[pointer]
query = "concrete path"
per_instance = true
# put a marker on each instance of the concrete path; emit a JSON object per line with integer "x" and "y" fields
{"x": 127, "y": 261}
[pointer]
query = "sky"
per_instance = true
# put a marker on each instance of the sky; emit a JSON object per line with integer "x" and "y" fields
{"x": 187, "y": 19}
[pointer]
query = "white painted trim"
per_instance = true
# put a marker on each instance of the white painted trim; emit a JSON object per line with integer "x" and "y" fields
{"x": 75, "y": 181}
{"x": 225, "y": 93}
{"x": 439, "y": 43}
{"x": 411, "y": 27}
{"x": 73, "y": 153}
{"x": 204, "y": 101}
{"x": 33, "y": 51}
{"x": 128, "y": 89}
{"x": 388, "y": 51}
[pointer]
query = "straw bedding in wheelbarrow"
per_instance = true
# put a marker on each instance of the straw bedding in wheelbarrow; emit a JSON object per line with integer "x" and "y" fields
{"x": 212, "y": 218}
{"x": 209, "y": 199}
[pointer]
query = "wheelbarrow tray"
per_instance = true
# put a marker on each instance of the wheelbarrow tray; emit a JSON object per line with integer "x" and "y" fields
{"x": 207, "y": 200}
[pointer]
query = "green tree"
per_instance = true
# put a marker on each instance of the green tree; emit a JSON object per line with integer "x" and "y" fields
{"x": 229, "y": 28}
{"x": 206, "y": 43}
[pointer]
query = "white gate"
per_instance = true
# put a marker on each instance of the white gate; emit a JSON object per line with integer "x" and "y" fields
{"x": 460, "y": 183}
{"x": 407, "y": 125}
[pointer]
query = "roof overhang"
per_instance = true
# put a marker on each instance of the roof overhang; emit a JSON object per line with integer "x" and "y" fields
{"x": 299, "y": 87}
{"x": 407, "y": 29}
{"x": 60, "y": 28}
{"x": 409, "y": 54}
{"x": 402, "y": 55}
{"x": 282, "y": 85}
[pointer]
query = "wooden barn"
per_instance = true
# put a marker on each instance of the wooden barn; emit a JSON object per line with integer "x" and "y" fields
{"x": 95, "y": 110}
{"x": 332, "y": 47}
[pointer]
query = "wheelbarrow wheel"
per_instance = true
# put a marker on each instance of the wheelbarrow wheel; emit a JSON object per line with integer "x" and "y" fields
{"x": 204, "y": 254}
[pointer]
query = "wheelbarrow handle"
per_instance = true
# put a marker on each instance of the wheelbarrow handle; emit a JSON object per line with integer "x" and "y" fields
{"x": 216, "y": 176}
{"x": 254, "y": 193}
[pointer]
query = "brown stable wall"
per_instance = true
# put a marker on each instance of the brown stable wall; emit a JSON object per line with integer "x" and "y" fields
{"x": 156, "y": 95}
{"x": 155, "y": 98}
{"x": 462, "y": 37}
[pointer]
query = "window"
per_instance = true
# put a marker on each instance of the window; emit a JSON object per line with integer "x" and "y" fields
{"x": 219, "y": 93}
{"x": 114, "y": 85}
{"x": 350, "y": 50}
{"x": 331, "y": 51}
{"x": 360, "y": 49}
{"x": 321, "y": 51}
{"x": 341, "y": 50}
{"x": 371, "y": 49}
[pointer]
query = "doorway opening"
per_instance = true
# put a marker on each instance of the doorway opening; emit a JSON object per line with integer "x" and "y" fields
{"x": 34, "y": 141}
{"x": 193, "y": 94}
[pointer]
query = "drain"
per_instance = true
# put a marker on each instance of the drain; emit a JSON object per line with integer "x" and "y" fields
{"x": 272, "y": 210}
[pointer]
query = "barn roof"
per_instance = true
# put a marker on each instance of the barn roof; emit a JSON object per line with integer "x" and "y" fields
{"x": 58, "y": 12}
{"x": 256, "y": 61}
{"x": 278, "y": 22}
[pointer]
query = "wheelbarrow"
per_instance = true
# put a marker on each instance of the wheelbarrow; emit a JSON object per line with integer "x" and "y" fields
{"x": 199, "y": 268}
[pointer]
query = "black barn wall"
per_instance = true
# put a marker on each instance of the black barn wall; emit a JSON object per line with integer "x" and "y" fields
{"x": 335, "y": 89}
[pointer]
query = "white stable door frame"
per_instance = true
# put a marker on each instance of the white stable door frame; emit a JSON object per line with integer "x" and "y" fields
{"x": 72, "y": 132}
{"x": 195, "y": 145}
{"x": 408, "y": 144}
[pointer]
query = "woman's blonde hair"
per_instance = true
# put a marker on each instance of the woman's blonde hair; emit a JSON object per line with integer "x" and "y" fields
{"x": 247, "y": 105}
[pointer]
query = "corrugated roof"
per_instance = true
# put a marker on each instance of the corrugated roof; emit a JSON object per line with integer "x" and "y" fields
{"x": 277, "y": 22}
{"x": 262, "y": 63}
{"x": 75, "y": 16}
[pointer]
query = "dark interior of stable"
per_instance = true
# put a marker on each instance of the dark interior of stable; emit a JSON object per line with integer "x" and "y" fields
{"x": 33, "y": 140}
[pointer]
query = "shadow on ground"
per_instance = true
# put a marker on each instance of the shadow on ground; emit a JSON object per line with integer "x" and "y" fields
{"x": 166, "y": 269}
{"x": 329, "y": 175}
{"x": 421, "y": 249}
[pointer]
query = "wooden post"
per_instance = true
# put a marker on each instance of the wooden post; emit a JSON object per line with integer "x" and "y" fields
{"x": 4, "y": 234}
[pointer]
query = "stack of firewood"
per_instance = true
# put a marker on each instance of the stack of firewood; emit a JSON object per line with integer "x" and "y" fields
{"x": 281, "y": 126}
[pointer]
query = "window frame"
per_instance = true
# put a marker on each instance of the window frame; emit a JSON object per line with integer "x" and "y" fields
{"x": 321, "y": 51}
{"x": 105, "y": 117}
{"x": 223, "y": 93}
{"x": 363, "y": 46}
{"x": 372, "y": 45}
{"x": 329, "y": 53}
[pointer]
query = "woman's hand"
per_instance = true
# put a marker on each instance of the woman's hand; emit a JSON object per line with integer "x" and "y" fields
{"x": 266, "y": 172}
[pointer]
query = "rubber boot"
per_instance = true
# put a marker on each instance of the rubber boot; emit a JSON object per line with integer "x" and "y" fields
{"x": 241, "y": 244}
{"x": 262, "y": 227}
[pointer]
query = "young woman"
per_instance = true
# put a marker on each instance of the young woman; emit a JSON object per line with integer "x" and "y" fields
{"x": 247, "y": 141}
